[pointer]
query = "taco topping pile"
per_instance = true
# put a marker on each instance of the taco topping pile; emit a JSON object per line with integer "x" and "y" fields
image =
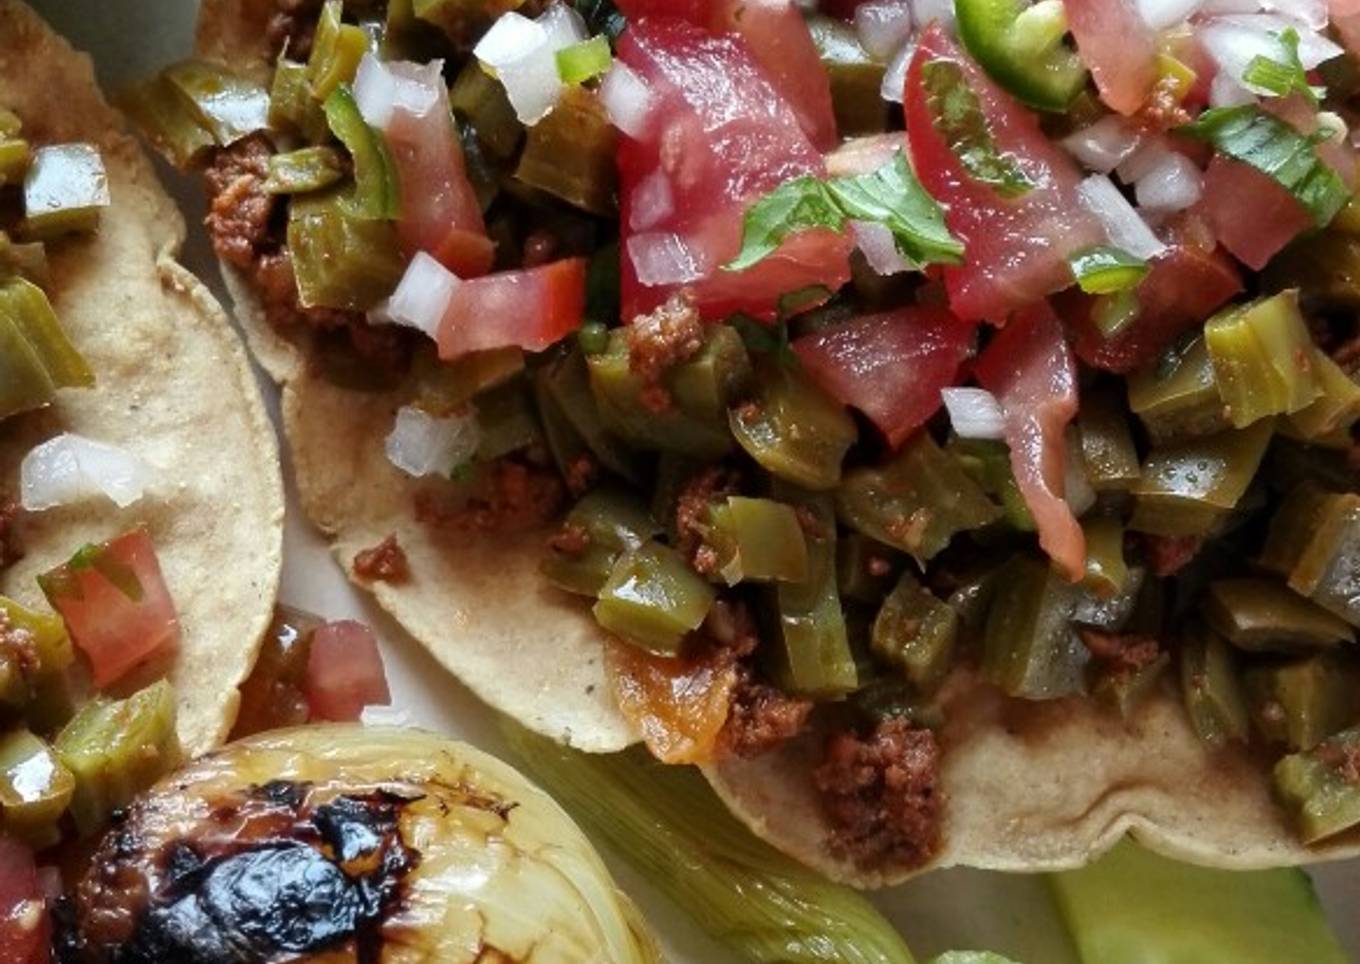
{"x": 855, "y": 355}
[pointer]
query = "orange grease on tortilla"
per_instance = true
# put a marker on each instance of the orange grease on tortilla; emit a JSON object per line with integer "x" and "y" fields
{"x": 679, "y": 705}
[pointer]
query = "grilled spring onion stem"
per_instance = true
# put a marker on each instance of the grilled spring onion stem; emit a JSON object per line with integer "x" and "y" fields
{"x": 762, "y": 905}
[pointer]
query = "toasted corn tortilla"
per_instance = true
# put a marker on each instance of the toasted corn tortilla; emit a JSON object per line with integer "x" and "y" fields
{"x": 1028, "y": 787}
{"x": 174, "y": 387}
{"x": 476, "y": 602}
{"x": 1049, "y": 786}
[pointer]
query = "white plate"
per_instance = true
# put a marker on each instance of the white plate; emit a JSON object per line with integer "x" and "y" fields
{"x": 956, "y": 909}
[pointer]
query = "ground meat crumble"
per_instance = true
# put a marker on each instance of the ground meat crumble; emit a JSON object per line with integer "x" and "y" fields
{"x": 691, "y": 515}
{"x": 385, "y": 562}
{"x": 1344, "y": 759}
{"x": 660, "y": 340}
{"x": 1120, "y": 652}
{"x": 18, "y": 646}
{"x": 511, "y": 496}
{"x": 246, "y": 224}
{"x": 881, "y": 795}
{"x": 761, "y": 716}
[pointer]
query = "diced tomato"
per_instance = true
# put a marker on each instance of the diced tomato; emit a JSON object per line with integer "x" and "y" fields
{"x": 890, "y": 366}
{"x": 779, "y": 38}
{"x": 1030, "y": 369}
{"x": 679, "y": 705}
{"x": 115, "y": 604}
{"x": 1016, "y": 248}
{"x": 1119, "y": 48}
{"x": 25, "y": 929}
{"x": 721, "y": 137}
{"x": 531, "y": 309}
{"x": 1186, "y": 285}
{"x": 439, "y": 210}
{"x": 1257, "y": 230}
{"x": 344, "y": 672}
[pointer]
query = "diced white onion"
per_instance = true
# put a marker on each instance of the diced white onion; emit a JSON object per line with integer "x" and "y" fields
{"x": 512, "y": 37}
{"x": 376, "y": 714}
{"x": 1174, "y": 184}
{"x": 925, "y": 11}
{"x": 1151, "y": 152}
{"x": 1077, "y": 491}
{"x": 1235, "y": 41}
{"x": 1104, "y": 144}
{"x": 1125, "y": 228}
{"x": 626, "y": 100}
{"x": 562, "y": 25}
{"x": 883, "y": 26}
{"x": 974, "y": 413}
{"x": 664, "y": 258}
{"x": 532, "y": 85}
{"x": 71, "y": 468}
{"x": 523, "y": 53}
{"x": 422, "y": 296}
{"x": 1160, "y": 14}
{"x": 879, "y": 247}
{"x": 420, "y": 444}
{"x": 651, "y": 202}
{"x": 1224, "y": 91}
{"x": 380, "y": 88}
{"x": 1311, "y": 13}
{"x": 894, "y": 84}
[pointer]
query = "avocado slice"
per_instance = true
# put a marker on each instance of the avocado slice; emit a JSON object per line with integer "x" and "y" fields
{"x": 1135, "y": 907}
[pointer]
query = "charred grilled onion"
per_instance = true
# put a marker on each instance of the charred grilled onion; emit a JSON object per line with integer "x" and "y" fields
{"x": 348, "y": 843}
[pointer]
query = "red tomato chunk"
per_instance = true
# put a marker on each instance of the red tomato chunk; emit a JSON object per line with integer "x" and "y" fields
{"x": 116, "y": 605}
{"x": 344, "y": 671}
{"x": 718, "y": 137}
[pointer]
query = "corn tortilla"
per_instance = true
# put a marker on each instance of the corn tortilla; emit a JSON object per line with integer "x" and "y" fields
{"x": 174, "y": 387}
{"x": 1027, "y": 787}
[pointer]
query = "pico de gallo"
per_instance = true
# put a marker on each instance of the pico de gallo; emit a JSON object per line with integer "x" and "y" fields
{"x": 851, "y": 351}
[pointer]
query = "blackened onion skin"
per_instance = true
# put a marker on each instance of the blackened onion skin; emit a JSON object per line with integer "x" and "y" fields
{"x": 275, "y": 873}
